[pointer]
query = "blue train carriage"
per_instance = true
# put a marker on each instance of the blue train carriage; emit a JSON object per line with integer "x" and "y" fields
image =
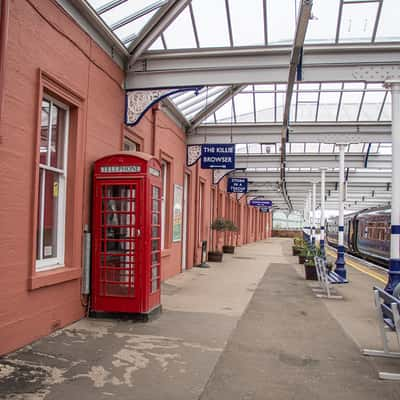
{"x": 348, "y": 234}
{"x": 331, "y": 231}
{"x": 373, "y": 235}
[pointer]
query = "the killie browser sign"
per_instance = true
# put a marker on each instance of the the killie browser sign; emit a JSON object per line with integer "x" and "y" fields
{"x": 218, "y": 156}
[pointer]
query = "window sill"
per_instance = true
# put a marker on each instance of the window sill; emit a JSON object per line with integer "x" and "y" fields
{"x": 53, "y": 277}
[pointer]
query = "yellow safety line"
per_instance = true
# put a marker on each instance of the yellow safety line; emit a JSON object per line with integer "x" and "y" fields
{"x": 356, "y": 266}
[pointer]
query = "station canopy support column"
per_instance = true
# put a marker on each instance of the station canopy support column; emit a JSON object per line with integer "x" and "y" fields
{"x": 322, "y": 217}
{"x": 394, "y": 264}
{"x": 313, "y": 213}
{"x": 340, "y": 262}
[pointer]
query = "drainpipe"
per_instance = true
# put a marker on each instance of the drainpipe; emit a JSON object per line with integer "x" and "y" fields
{"x": 154, "y": 111}
{"x": 4, "y": 22}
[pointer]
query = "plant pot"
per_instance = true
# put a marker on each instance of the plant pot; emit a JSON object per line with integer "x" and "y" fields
{"x": 228, "y": 249}
{"x": 296, "y": 250}
{"x": 214, "y": 256}
{"x": 310, "y": 272}
{"x": 302, "y": 259}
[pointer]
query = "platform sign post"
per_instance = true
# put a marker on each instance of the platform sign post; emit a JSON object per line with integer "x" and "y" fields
{"x": 394, "y": 263}
{"x": 322, "y": 218}
{"x": 218, "y": 156}
{"x": 340, "y": 262}
{"x": 237, "y": 185}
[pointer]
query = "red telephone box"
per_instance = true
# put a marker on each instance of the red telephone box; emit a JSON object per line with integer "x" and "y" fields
{"x": 126, "y": 235}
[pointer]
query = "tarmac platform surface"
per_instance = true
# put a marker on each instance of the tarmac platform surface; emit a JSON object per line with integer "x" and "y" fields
{"x": 248, "y": 328}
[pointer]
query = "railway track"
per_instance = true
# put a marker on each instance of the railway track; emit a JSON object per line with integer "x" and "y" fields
{"x": 375, "y": 271}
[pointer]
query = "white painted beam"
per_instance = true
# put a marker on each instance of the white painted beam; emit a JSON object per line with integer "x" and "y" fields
{"x": 298, "y": 132}
{"x": 261, "y": 65}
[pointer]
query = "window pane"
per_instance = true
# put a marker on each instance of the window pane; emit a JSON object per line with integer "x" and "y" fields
{"x": 44, "y": 132}
{"x": 50, "y": 214}
{"x": 130, "y": 145}
{"x": 57, "y": 137}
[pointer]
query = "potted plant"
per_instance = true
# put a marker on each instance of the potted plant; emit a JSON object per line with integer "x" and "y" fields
{"x": 219, "y": 225}
{"x": 310, "y": 270}
{"x": 230, "y": 227}
{"x": 298, "y": 245}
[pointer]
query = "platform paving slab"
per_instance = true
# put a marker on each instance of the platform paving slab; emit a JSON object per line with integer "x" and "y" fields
{"x": 287, "y": 346}
{"x": 225, "y": 333}
{"x": 168, "y": 358}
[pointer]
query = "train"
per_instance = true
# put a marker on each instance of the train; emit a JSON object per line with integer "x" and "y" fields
{"x": 366, "y": 234}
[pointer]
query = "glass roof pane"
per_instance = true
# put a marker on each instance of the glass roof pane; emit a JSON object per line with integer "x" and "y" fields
{"x": 241, "y": 148}
{"x": 322, "y": 28}
{"x": 350, "y": 106}
{"x": 180, "y": 34}
{"x": 372, "y": 105}
{"x": 254, "y": 148}
{"x": 133, "y": 27}
{"x": 280, "y": 105}
{"x": 244, "y": 107}
{"x": 98, "y": 3}
{"x": 210, "y": 120}
{"x": 328, "y": 106}
{"x": 385, "y": 148}
{"x": 195, "y": 106}
{"x": 374, "y": 147}
{"x": 267, "y": 88}
{"x": 247, "y": 22}
{"x": 297, "y": 147}
{"x": 306, "y": 112}
{"x": 312, "y": 147}
{"x": 356, "y": 147}
{"x": 331, "y": 86}
{"x": 387, "y": 109}
{"x": 389, "y": 28}
{"x": 281, "y": 21}
{"x": 128, "y": 8}
{"x": 265, "y": 107}
{"x": 358, "y": 20}
{"x": 225, "y": 113}
{"x": 157, "y": 45}
{"x": 326, "y": 147}
{"x": 213, "y": 16}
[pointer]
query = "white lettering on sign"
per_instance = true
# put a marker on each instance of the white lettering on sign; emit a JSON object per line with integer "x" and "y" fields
{"x": 120, "y": 168}
{"x": 154, "y": 171}
{"x": 218, "y": 159}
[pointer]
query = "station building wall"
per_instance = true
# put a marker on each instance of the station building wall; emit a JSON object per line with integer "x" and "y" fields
{"x": 48, "y": 54}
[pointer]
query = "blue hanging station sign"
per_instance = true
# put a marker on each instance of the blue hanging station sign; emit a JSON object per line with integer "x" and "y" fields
{"x": 237, "y": 185}
{"x": 260, "y": 203}
{"x": 218, "y": 156}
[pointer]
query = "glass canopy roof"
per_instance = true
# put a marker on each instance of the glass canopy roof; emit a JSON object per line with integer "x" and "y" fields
{"x": 270, "y": 23}
{"x": 311, "y": 102}
{"x": 296, "y": 148}
{"x": 227, "y": 23}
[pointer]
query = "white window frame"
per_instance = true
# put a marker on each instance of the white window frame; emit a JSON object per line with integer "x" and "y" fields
{"x": 128, "y": 142}
{"x": 164, "y": 176}
{"x": 54, "y": 262}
